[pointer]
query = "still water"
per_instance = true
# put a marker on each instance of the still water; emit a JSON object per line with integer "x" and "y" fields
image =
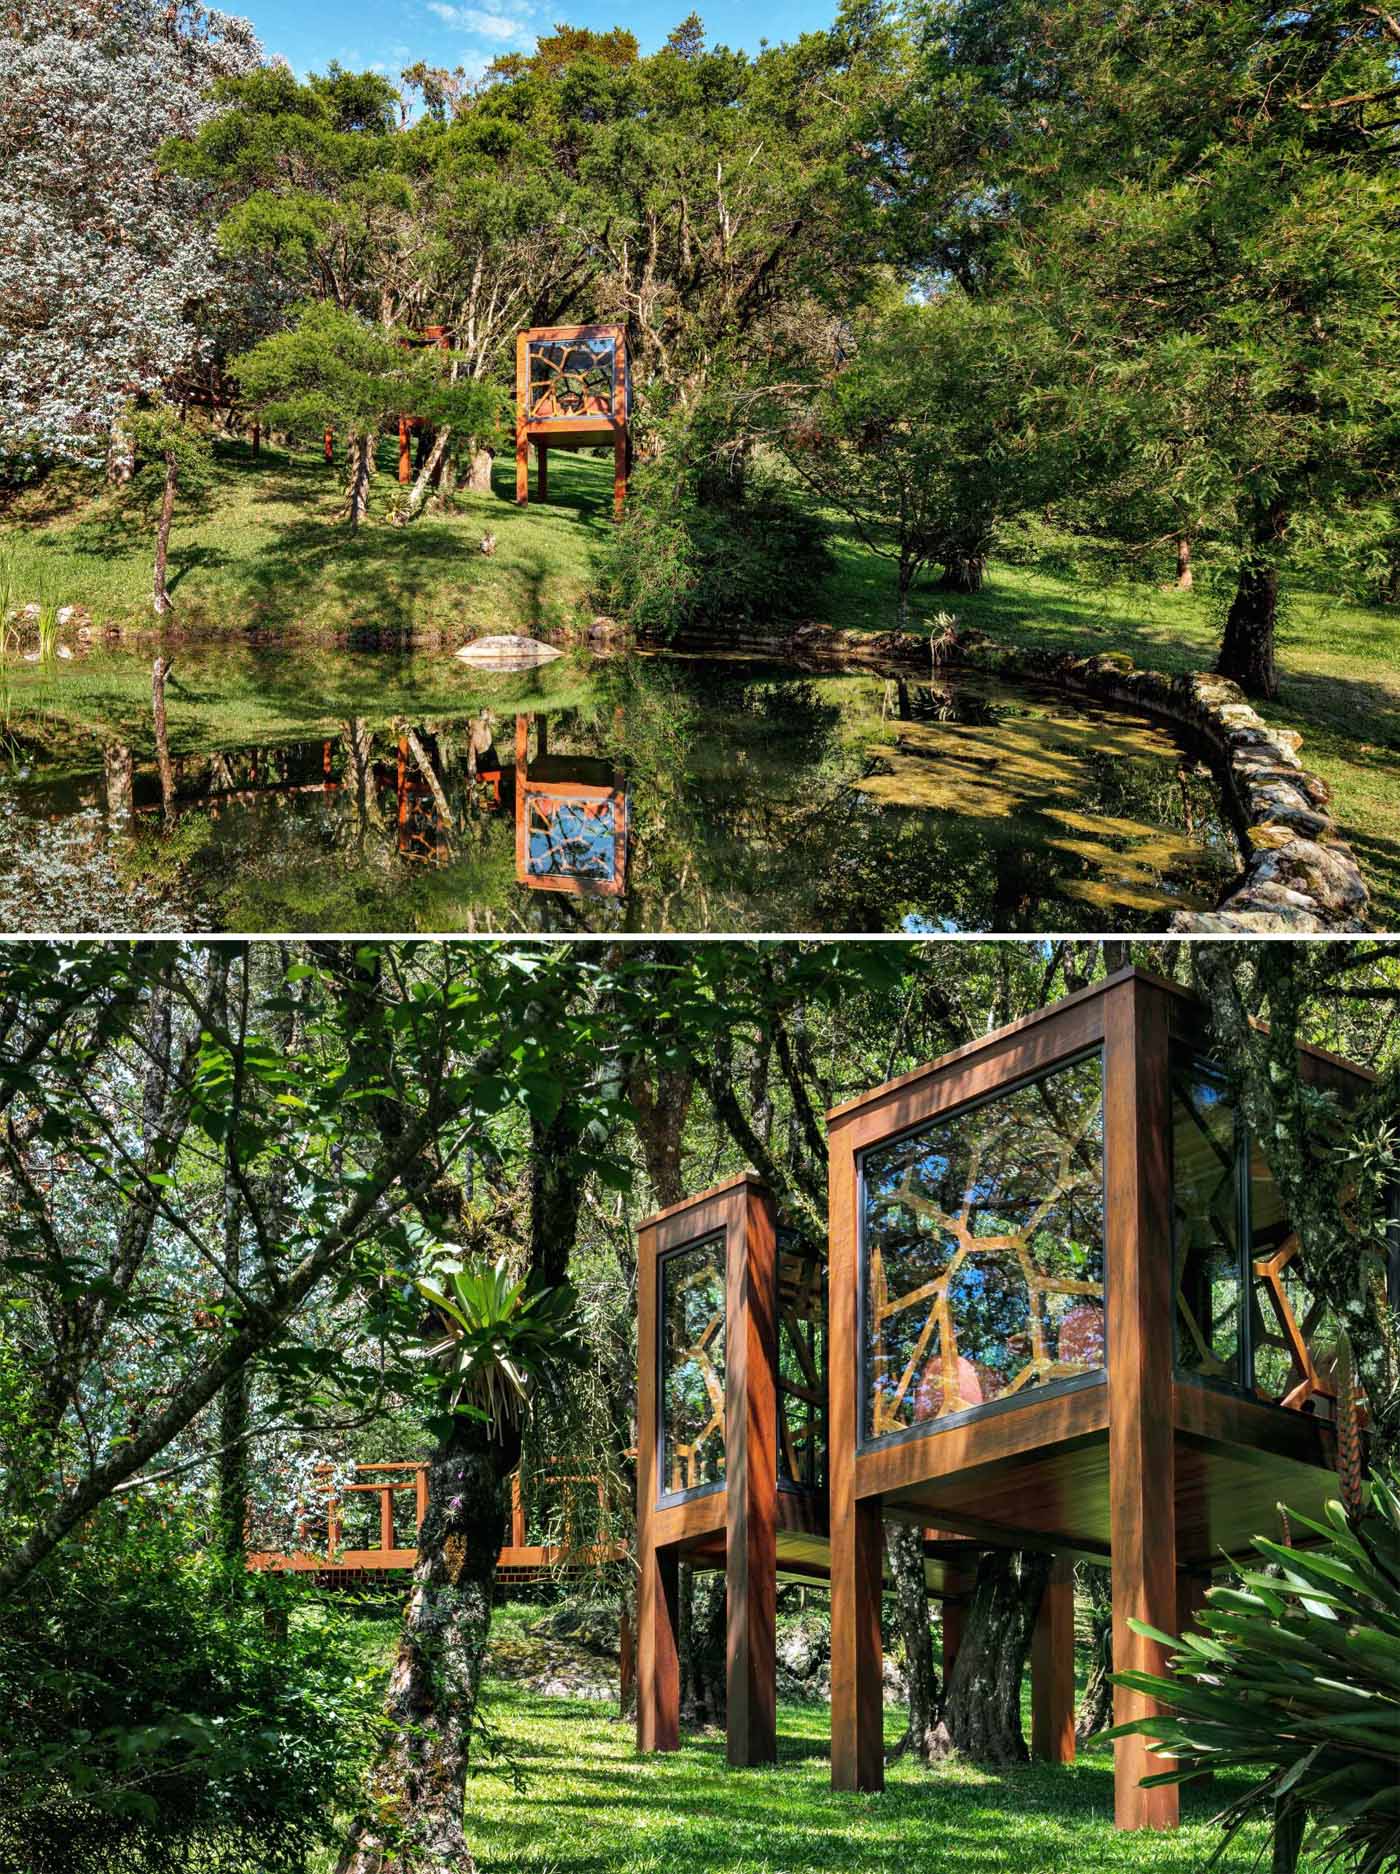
{"x": 364, "y": 790}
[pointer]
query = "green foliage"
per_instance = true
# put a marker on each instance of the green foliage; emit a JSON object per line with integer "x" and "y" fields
{"x": 330, "y": 370}
{"x": 494, "y": 1336}
{"x": 1297, "y": 1680}
{"x": 154, "y": 1721}
{"x": 683, "y": 560}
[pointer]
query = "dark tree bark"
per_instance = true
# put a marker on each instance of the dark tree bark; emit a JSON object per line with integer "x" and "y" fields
{"x": 429, "y": 466}
{"x": 904, "y": 1544}
{"x": 982, "y": 1703}
{"x": 702, "y": 1647}
{"x": 160, "y": 670}
{"x": 1247, "y": 648}
{"x": 963, "y": 572}
{"x": 662, "y": 1100}
{"x": 233, "y": 1408}
{"x": 160, "y": 596}
{"x": 1095, "y": 1712}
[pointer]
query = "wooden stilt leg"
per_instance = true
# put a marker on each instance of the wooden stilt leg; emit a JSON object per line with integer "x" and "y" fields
{"x": 658, "y": 1661}
{"x": 405, "y": 452}
{"x": 619, "y": 473}
{"x": 751, "y": 1492}
{"x": 328, "y": 444}
{"x": 1141, "y": 1448}
{"x": 1052, "y": 1669}
{"x": 857, "y": 1690}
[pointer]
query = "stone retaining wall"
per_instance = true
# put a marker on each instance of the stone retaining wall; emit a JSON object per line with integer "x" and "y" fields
{"x": 1299, "y": 874}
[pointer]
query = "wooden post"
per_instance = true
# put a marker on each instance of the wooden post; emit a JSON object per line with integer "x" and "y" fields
{"x": 1142, "y": 1507}
{"x": 619, "y": 471}
{"x": 328, "y": 443}
{"x": 420, "y": 1496}
{"x": 386, "y": 1517}
{"x": 1052, "y": 1669}
{"x": 541, "y": 470}
{"x": 522, "y": 411}
{"x": 751, "y": 1484}
{"x": 517, "y": 1514}
{"x": 332, "y": 1526}
{"x": 658, "y": 1585}
{"x": 857, "y": 1692}
{"x": 405, "y": 452}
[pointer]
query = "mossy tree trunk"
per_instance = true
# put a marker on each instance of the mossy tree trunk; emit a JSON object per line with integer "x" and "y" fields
{"x": 981, "y": 1717}
{"x": 1247, "y": 648}
{"x": 1095, "y": 1712}
{"x": 412, "y": 1820}
{"x": 904, "y": 1544}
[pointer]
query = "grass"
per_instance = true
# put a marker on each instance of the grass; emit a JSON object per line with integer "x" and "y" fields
{"x": 588, "y": 1804}
{"x": 267, "y": 556}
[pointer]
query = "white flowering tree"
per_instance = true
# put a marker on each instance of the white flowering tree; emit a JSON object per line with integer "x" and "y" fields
{"x": 108, "y": 269}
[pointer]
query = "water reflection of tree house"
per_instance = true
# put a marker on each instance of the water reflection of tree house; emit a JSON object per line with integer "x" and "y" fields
{"x": 1066, "y": 1313}
{"x": 400, "y": 1491}
{"x": 570, "y": 819}
{"x": 731, "y": 1464}
{"x": 572, "y": 390}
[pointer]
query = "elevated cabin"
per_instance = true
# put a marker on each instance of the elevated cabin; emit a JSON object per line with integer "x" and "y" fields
{"x": 1067, "y": 1313}
{"x": 573, "y": 390}
{"x": 732, "y": 1450}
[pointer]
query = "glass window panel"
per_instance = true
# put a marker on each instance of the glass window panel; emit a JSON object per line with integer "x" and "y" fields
{"x": 1205, "y": 1224}
{"x": 571, "y": 377}
{"x": 692, "y": 1366}
{"x": 982, "y": 1249}
{"x": 801, "y": 1365}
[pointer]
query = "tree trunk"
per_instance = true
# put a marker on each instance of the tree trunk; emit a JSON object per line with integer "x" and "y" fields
{"x": 121, "y": 454}
{"x": 1247, "y": 648}
{"x": 1184, "y": 576}
{"x": 479, "y": 473}
{"x": 1096, "y": 1706}
{"x": 233, "y": 1404}
{"x": 413, "y": 1820}
{"x": 905, "y": 1547}
{"x": 160, "y": 597}
{"x": 361, "y": 453}
{"x": 1290, "y": 1826}
{"x": 160, "y": 670}
{"x": 982, "y": 1702}
{"x": 662, "y": 1101}
{"x": 418, "y": 494}
{"x": 702, "y": 1646}
{"x": 118, "y": 777}
{"x": 963, "y": 572}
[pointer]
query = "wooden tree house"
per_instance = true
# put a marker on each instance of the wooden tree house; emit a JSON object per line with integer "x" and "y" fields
{"x": 732, "y": 1448}
{"x": 573, "y": 390}
{"x": 1066, "y": 1313}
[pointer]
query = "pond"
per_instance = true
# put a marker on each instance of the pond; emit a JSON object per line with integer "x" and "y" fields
{"x": 371, "y": 790}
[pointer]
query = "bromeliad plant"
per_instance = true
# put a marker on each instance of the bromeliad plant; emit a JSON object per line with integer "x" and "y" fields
{"x": 494, "y": 1337}
{"x": 1297, "y": 1679}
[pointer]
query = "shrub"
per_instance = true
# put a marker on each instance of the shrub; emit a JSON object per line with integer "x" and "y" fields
{"x": 155, "y": 1718}
{"x": 1297, "y": 1679}
{"x": 686, "y": 558}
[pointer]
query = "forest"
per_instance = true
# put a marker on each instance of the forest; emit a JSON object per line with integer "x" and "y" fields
{"x": 277, "y": 1210}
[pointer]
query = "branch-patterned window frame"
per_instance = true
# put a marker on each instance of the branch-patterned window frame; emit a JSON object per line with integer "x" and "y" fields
{"x": 1011, "y": 1399}
{"x": 712, "y": 1433}
{"x": 546, "y": 403}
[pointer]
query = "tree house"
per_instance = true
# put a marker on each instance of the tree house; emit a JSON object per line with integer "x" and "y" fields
{"x": 732, "y": 1448}
{"x": 1066, "y": 1313}
{"x": 573, "y": 390}
{"x": 570, "y": 819}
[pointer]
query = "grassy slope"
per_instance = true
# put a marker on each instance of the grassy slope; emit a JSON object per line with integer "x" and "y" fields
{"x": 268, "y": 551}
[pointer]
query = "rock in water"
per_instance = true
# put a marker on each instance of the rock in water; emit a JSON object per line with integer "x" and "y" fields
{"x": 507, "y": 652}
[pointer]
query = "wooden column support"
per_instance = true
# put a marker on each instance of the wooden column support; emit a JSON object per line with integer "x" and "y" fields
{"x": 751, "y": 1484}
{"x": 658, "y": 1657}
{"x": 1142, "y": 1513}
{"x": 405, "y": 452}
{"x": 522, "y": 434}
{"x": 621, "y": 464}
{"x": 1052, "y": 1669}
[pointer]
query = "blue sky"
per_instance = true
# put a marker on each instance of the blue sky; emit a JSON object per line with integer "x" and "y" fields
{"x": 386, "y": 37}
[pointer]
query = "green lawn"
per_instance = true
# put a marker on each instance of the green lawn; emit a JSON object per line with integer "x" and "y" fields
{"x": 586, "y": 1803}
{"x": 267, "y": 554}
{"x": 591, "y": 1805}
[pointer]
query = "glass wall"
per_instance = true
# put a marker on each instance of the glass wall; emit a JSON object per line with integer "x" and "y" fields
{"x": 573, "y": 377}
{"x": 982, "y": 1252}
{"x": 691, "y": 1393}
{"x": 801, "y": 1365}
{"x": 1230, "y": 1236}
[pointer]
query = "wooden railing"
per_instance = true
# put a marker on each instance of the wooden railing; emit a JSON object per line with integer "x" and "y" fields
{"x": 386, "y": 1481}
